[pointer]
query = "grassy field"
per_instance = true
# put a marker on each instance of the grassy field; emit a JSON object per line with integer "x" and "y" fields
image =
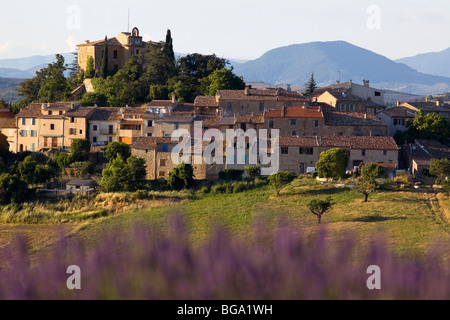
{"x": 410, "y": 220}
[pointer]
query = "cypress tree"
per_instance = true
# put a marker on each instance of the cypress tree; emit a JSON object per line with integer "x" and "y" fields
{"x": 105, "y": 60}
{"x": 311, "y": 86}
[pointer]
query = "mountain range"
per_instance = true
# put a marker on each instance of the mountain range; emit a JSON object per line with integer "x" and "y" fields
{"x": 329, "y": 61}
{"x": 338, "y": 60}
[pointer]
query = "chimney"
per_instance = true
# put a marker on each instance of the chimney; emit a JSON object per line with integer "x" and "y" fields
{"x": 426, "y": 99}
{"x": 289, "y": 88}
{"x": 398, "y": 103}
{"x": 247, "y": 91}
{"x": 365, "y": 115}
{"x": 87, "y": 42}
{"x": 438, "y": 103}
{"x": 366, "y": 83}
{"x": 338, "y": 82}
{"x": 283, "y": 111}
{"x": 174, "y": 98}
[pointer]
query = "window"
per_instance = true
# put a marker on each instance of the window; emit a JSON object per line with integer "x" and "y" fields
{"x": 137, "y": 51}
{"x": 72, "y": 131}
{"x": 377, "y": 94}
{"x": 60, "y": 113}
{"x": 230, "y": 106}
{"x": 94, "y": 127}
{"x": 284, "y": 150}
{"x": 261, "y": 106}
{"x": 352, "y": 107}
{"x": 24, "y": 121}
{"x": 23, "y": 133}
{"x": 316, "y": 123}
{"x": 162, "y": 174}
{"x": 363, "y": 152}
{"x": 81, "y": 131}
{"x": 110, "y": 139}
{"x": 342, "y": 106}
{"x": 177, "y": 126}
{"x": 271, "y": 124}
{"x": 52, "y": 126}
{"x": 294, "y": 133}
{"x": 94, "y": 139}
{"x": 115, "y": 54}
{"x": 309, "y": 151}
{"x": 384, "y": 152}
{"x": 165, "y": 148}
{"x": 50, "y": 113}
{"x": 293, "y": 122}
{"x": 33, "y": 133}
{"x": 149, "y": 134}
{"x": 33, "y": 121}
{"x": 72, "y": 120}
{"x": 150, "y": 123}
{"x": 162, "y": 162}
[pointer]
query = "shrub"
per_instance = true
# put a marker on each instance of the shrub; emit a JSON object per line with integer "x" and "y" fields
{"x": 141, "y": 194}
{"x": 219, "y": 188}
{"x": 231, "y": 174}
{"x": 240, "y": 187}
{"x": 280, "y": 179}
{"x": 205, "y": 190}
{"x": 181, "y": 177}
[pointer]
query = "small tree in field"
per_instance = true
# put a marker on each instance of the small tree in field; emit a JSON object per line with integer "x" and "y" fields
{"x": 366, "y": 188}
{"x": 280, "y": 179}
{"x": 320, "y": 207}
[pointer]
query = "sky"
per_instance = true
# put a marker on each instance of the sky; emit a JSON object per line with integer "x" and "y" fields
{"x": 234, "y": 29}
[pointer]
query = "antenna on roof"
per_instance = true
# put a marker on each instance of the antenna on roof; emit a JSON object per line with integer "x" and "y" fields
{"x": 128, "y": 27}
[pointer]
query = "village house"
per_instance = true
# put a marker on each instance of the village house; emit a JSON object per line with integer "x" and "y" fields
{"x": 298, "y": 154}
{"x": 417, "y": 156}
{"x": 131, "y": 124}
{"x": 337, "y": 123}
{"x": 437, "y": 107}
{"x": 395, "y": 119}
{"x": 256, "y": 101}
{"x": 8, "y": 127}
{"x": 103, "y": 125}
{"x": 295, "y": 121}
{"x": 206, "y": 105}
{"x": 157, "y": 153}
{"x": 50, "y": 126}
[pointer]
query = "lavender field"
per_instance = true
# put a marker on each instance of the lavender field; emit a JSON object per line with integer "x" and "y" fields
{"x": 151, "y": 265}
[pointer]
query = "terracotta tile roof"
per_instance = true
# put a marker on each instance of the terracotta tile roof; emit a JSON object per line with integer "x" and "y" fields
{"x": 111, "y": 42}
{"x": 398, "y": 112}
{"x": 337, "y": 118}
{"x": 80, "y": 112}
{"x": 202, "y": 101}
{"x": 249, "y": 119}
{"x": 33, "y": 110}
{"x": 161, "y": 103}
{"x": 131, "y": 111}
{"x": 430, "y": 106}
{"x": 150, "y": 143}
{"x": 184, "y": 108}
{"x": 5, "y": 113}
{"x": 369, "y": 143}
{"x": 177, "y": 118}
{"x": 262, "y": 95}
{"x": 434, "y": 149}
{"x": 105, "y": 114}
{"x": 209, "y": 121}
{"x": 8, "y": 123}
{"x": 295, "y": 112}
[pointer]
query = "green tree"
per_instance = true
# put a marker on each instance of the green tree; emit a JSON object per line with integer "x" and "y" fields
{"x": 4, "y": 144}
{"x": 181, "y": 177}
{"x": 43, "y": 173}
{"x": 169, "y": 53}
{"x": 320, "y": 207}
{"x": 222, "y": 79}
{"x": 311, "y": 86}
{"x": 116, "y": 176}
{"x": 429, "y": 126}
{"x": 94, "y": 98}
{"x": 332, "y": 164}
{"x": 54, "y": 86}
{"x": 12, "y": 189}
{"x": 27, "y": 170}
{"x": 280, "y": 180}
{"x": 115, "y": 149}
{"x": 371, "y": 171}
{"x": 105, "y": 60}
{"x": 121, "y": 175}
{"x": 440, "y": 168}
{"x": 158, "y": 92}
{"x": 253, "y": 172}
{"x": 29, "y": 89}
{"x": 90, "y": 68}
{"x": 366, "y": 188}
{"x": 80, "y": 150}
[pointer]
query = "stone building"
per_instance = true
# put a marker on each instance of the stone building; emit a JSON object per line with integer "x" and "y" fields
{"x": 298, "y": 154}
{"x": 337, "y": 123}
{"x": 120, "y": 49}
{"x": 395, "y": 119}
{"x": 103, "y": 125}
{"x": 437, "y": 107}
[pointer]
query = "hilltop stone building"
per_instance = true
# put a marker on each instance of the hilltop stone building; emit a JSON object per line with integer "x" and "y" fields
{"x": 120, "y": 49}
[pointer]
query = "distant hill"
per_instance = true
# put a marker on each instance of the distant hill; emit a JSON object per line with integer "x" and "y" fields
{"x": 8, "y": 89}
{"x": 331, "y": 61}
{"x": 26, "y": 67}
{"x": 436, "y": 63}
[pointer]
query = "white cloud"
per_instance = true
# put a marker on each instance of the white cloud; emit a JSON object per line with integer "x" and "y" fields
{"x": 72, "y": 43}
{"x": 5, "y": 47}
